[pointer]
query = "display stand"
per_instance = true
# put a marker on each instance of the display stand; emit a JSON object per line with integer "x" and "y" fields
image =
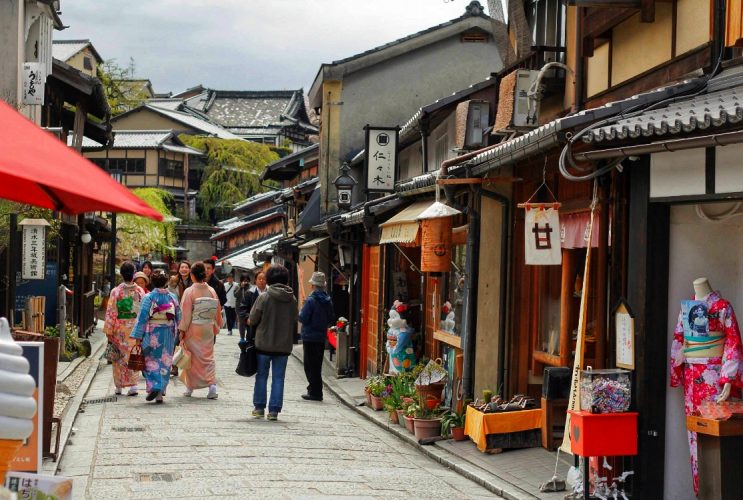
{"x": 602, "y": 435}
{"x": 511, "y": 429}
{"x": 719, "y": 448}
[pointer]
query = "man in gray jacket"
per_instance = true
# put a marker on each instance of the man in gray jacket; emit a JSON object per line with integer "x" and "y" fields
{"x": 274, "y": 316}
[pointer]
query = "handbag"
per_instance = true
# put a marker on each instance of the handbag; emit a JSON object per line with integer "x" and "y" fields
{"x": 112, "y": 353}
{"x": 248, "y": 364}
{"x": 136, "y": 359}
{"x": 182, "y": 359}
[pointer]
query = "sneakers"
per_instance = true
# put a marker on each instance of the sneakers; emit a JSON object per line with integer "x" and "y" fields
{"x": 272, "y": 416}
{"x": 258, "y": 413}
{"x": 133, "y": 391}
{"x": 212, "y": 392}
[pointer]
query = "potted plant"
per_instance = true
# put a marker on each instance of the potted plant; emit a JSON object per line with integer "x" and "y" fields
{"x": 425, "y": 423}
{"x": 453, "y": 423}
{"x": 377, "y": 387}
{"x": 410, "y": 412}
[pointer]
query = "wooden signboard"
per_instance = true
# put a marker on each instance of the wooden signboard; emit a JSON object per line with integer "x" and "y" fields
{"x": 624, "y": 322}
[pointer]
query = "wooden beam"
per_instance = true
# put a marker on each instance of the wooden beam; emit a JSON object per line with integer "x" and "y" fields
{"x": 647, "y": 11}
{"x": 478, "y": 180}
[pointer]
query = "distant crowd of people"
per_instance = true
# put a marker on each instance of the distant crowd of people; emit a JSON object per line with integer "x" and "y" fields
{"x": 159, "y": 313}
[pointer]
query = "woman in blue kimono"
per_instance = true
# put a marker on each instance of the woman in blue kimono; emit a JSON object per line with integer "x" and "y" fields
{"x": 155, "y": 332}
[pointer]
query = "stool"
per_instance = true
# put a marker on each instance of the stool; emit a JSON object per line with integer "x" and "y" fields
{"x": 553, "y": 416}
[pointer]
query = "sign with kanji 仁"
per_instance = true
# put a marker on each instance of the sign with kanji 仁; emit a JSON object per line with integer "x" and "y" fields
{"x": 542, "y": 236}
{"x": 34, "y": 249}
{"x": 33, "y": 83}
{"x": 381, "y": 158}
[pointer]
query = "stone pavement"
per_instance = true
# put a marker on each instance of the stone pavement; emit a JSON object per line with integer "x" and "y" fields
{"x": 198, "y": 448}
{"x": 513, "y": 474}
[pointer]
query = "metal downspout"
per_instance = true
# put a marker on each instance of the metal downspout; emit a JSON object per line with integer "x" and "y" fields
{"x": 469, "y": 343}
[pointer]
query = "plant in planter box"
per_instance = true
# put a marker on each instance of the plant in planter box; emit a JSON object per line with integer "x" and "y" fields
{"x": 377, "y": 390}
{"x": 453, "y": 423}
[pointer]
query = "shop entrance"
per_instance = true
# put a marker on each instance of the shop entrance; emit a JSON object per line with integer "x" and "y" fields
{"x": 699, "y": 247}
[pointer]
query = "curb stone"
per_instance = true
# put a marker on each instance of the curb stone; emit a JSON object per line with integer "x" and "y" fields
{"x": 494, "y": 484}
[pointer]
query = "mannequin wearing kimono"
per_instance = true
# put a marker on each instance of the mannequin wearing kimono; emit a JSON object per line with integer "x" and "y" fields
{"x": 706, "y": 355}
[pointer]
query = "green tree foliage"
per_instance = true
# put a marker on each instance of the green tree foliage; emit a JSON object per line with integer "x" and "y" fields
{"x": 121, "y": 92}
{"x": 232, "y": 172}
{"x": 25, "y": 212}
{"x": 143, "y": 235}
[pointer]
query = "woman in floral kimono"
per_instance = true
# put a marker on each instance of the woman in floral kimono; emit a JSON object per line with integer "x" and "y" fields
{"x": 706, "y": 355}
{"x": 121, "y": 313}
{"x": 202, "y": 318}
{"x": 155, "y": 332}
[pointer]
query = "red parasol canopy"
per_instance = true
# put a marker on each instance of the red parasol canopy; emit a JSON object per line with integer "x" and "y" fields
{"x": 38, "y": 169}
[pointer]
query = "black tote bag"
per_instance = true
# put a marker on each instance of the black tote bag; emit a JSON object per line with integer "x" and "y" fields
{"x": 248, "y": 364}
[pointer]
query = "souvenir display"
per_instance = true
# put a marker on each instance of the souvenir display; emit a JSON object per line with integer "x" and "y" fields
{"x": 605, "y": 391}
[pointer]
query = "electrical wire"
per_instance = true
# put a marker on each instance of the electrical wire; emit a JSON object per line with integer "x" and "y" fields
{"x": 566, "y": 155}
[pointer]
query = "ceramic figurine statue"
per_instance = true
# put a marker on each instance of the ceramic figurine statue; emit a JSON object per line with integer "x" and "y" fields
{"x": 400, "y": 340}
{"x": 448, "y": 323}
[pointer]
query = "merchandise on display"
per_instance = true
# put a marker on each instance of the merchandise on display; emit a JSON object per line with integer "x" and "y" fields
{"x": 605, "y": 391}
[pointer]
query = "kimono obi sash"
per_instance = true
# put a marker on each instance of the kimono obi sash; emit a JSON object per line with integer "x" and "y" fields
{"x": 204, "y": 310}
{"x": 127, "y": 308}
{"x": 163, "y": 314}
{"x": 704, "y": 347}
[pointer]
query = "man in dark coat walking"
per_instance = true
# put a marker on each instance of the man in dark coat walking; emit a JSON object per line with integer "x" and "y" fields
{"x": 316, "y": 316}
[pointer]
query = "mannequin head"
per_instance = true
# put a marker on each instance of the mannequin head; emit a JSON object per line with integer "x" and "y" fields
{"x": 702, "y": 288}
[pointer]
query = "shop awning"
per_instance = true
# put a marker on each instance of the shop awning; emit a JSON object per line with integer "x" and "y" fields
{"x": 403, "y": 227}
{"x": 310, "y": 248}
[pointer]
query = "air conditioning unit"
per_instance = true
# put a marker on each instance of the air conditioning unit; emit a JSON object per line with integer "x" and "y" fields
{"x": 516, "y": 111}
{"x": 472, "y": 119}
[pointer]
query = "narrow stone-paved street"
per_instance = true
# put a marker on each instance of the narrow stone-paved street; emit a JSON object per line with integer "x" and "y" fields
{"x": 194, "y": 447}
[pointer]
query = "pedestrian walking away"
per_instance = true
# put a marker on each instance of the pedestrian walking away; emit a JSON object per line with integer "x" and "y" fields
{"x": 250, "y": 296}
{"x": 121, "y": 315}
{"x": 229, "y": 307}
{"x": 316, "y": 316}
{"x": 201, "y": 319}
{"x": 274, "y": 316}
{"x": 243, "y": 303}
{"x": 184, "y": 281}
{"x": 155, "y": 331}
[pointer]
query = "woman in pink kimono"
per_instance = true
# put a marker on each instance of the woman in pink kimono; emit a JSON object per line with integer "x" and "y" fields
{"x": 201, "y": 321}
{"x": 706, "y": 355}
{"x": 121, "y": 315}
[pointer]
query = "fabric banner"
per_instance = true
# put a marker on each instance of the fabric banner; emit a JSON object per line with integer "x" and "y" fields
{"x": 542, "y": 236}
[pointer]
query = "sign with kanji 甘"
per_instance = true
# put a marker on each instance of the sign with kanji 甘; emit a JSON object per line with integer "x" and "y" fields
{"x": 381, "y": 158}
{"x": 542, "y": 236}
{"x": 34, "y": 249}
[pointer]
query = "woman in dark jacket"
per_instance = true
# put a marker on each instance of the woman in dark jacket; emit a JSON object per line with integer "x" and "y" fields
{"x": 316, "y": 316}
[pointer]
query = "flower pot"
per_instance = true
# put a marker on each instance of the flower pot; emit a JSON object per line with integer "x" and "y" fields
{"x": 410, "y": 424}
{"x": 458, "y": 433}
{"x": 432, "y": 390}
{"x": 427, "y": 428}
{"x": 400, "y": 417}
{"x": 376, "y": 403}
{"x": 393, "y": 417}
{"x": 432, "y": 402}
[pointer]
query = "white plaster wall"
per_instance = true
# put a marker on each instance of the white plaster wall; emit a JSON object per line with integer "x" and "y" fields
{"x": 698, "y": 248}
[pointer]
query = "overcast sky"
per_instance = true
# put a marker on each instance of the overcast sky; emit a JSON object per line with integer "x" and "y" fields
{"x": 244, "y": 44}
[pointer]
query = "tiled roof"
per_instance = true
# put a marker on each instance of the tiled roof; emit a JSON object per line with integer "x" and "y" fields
{"x": 243, "y": 258}
{"x": 256, "y": 198}
{"x": 713, "y": 110}
{"x": 166, "y": 103}
{"x": 248, "y": 221}
{"x": 133, "y": 139}
{"x": 190, "y": 121}
{"x": 65, "y": 49}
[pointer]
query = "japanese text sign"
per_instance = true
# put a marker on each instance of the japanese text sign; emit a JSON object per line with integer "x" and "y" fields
{"x": 542, "y": 236}
{"x": 381, "y": 158}
{"x": 33, "y": 83}
{"x": 34, "y": 249}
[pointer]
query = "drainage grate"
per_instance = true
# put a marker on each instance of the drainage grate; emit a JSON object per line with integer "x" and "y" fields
{"x": 97, "y": 401}
{"x": 168, "y": 477}
{"x": 128, "y": 429}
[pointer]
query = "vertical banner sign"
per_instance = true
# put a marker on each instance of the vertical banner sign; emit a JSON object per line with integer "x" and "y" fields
{"x": 625, "y": 336}
{"x": 33, "y": 83}
{"x": 29, "y": 455}
{"x": 381, "y": 158}
{"x": 542, "y": 236}
{"x": 34, "y": 249}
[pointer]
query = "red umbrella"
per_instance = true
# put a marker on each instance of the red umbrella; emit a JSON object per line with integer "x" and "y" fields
{"x": 38, "y": 169}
